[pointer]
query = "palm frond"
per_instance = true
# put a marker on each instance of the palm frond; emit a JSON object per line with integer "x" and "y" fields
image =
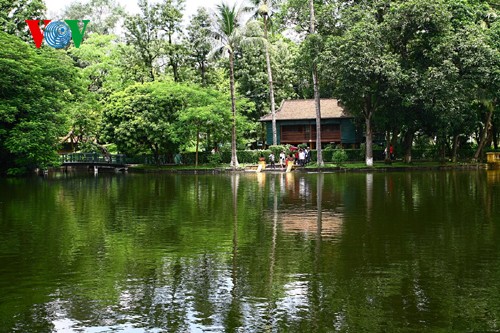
{"x": 216, "y": 52}
{"x": 227, "y": 21}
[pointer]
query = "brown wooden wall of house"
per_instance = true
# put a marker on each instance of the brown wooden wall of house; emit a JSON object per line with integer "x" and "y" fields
{"x": 307, "y": 133}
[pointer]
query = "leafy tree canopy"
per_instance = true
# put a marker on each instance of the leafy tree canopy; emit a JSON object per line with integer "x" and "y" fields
{"x": 103, "y": 14}
{"x": 160, "y": 117}
{"x": 33, "y": 110}
{"x": 13, "y": 14}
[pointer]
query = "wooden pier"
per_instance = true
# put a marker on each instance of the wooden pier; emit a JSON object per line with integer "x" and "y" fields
{"x": 493, "y": 160}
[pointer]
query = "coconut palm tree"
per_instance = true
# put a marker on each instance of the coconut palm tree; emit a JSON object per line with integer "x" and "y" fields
{"x": 263, "y": 8}
{"x": 227, "y": 33}
{"x": 312, "y": 31}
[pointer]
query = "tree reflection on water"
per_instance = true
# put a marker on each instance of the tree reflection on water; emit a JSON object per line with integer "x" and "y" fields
{"x": 245, "y": 252}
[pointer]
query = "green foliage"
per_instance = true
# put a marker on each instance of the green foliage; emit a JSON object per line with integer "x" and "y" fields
{"x": 339, "y": 157}
{"x": 251, "y": 72}
{"x": 104, "y": 70}
{"x": 160, "y": 117}
{"x": 409, "y": 68}
{"x": 278, "y": 149}
{"x": 142, "y": 117}
{"x": 13, "y": 14}
{"x": 36, "y": 87}
{"x": 283, "y": 54}
{"x": 103, "y": 15}
{"x": 150, "y": 33}
{"x": 206, "y": 157}
{"x": 330, "y": 147}
{"x": 353, "y": 155}
{"x": 88, "y": 147}
{"x": 105, "y": 64}
{"x": 294, "y": 14}
{"x": 214, "y": 159}
{"x": 207, "y": 113}
{"x": 247, "y": 156}
{"x": 199, "y": 45}
{"x": 227, "y": 33}
{"x": 414, "y": 66}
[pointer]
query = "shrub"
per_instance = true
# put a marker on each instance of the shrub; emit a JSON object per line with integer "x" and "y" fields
{"x": 339, "y": 157}
{"x": 214, "y": 159}
{"x": 329, "y": 147}
{"x": 278, "y": 149}
{"x": 352, "y": 155}
{"x": 362, "y": 151}
{"x": 246, "y": 156}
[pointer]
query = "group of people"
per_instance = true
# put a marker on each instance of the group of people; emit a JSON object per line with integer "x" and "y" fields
{"x": 301, "y": 157}
{"x": 391, "y": 153}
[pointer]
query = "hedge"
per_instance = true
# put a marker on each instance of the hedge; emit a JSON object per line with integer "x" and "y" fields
{"x": 252, "y": 156}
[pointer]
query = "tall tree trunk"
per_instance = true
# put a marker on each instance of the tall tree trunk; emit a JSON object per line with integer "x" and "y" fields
{"x": 156, "y": 154}
{"x": 441, "y": 143}
{"x": 173, "y": 63}
{"x": 312, "y": 28}
{"x": 203, "y": 74}
{"x": 152, "y": 73}
{"x": 456, "y": 144}
{"x": 317, "y": 100}
{"x": 368, "y": 113}
{"x": 494, "y": 132}
{"x": 387, "y": 156}
{"x": 197, "y": 145}
{"x": 317, "y": 105}
{"x": 484, "y": 135}
{"x": 175, "y": 69}
{"x": 234, "y": 157}
{"x": 150, "y": 60}
{"x": 369, "y": 139}
{"x": 208, "y": 144}
{"x": 408, "y": 142}
{"x": 489, "y": 138}
{"x": 270, "y": 79}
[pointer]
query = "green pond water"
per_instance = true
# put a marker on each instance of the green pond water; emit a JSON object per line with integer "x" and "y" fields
{"x": 382, "y": 252}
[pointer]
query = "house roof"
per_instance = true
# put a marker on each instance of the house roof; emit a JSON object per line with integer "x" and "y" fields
{"x": 304, "y": 109}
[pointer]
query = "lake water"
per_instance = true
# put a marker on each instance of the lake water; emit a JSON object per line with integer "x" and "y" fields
{"x": 382, "y": 252}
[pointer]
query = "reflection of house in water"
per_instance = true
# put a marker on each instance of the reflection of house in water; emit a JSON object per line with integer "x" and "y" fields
{"x": 493, "y": 176}
{"x": 307, "y": 223}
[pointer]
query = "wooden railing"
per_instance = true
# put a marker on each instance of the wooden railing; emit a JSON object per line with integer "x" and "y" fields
{"x": 92, "y": 158}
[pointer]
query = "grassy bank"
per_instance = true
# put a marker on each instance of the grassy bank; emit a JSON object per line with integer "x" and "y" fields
{"x": 312, "y": 167}
{"x": 397, "y": 165}
{"x": 174, "y": 168}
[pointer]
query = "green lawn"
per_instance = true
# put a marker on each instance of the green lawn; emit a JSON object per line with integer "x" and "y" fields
{"x": 312, "y": 166}
{"x": 393, "y": 165}
{"x": 147, "y": 167}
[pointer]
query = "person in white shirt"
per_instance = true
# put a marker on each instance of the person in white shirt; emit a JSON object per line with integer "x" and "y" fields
{"x": 282, "y": 159}
{"x": 302, "y": 157}
{"x": 271, "y": 161}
